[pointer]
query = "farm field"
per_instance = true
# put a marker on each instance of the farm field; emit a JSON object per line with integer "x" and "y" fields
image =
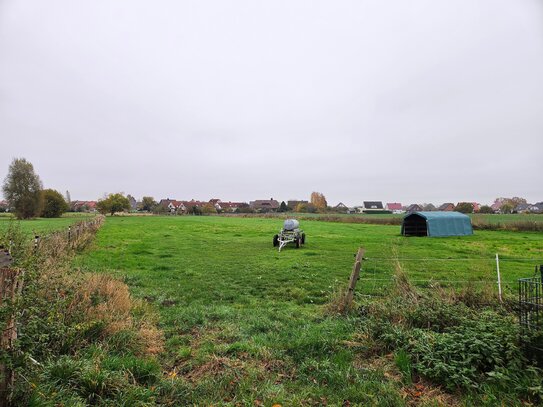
{"x": 243, "y": 322}
{"x": 41, "y": 226}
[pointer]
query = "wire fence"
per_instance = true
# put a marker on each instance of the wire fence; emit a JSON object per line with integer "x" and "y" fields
{"x": 54, "y": 243}
{"x": 500, "y": 273}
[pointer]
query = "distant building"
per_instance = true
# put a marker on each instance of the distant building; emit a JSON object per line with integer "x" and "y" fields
{"x": 227, "y": 207}
{"x": 83, "y": 206}
{"x": 536, "y": 208}
{"x": 294, "y": 203}
{"x": 264, "y": 205}
{"x": 413, "y": 208}
{"x": 395, "y": 207}
{"x": 522, "y": 208}
{"x": 374, "y": 207}
{"x": 172, "y": 206}
{"x": 446, "y": 207}
{"x": 341, "y": 207}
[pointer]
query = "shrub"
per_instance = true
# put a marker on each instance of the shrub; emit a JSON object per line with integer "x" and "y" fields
{"x": 439, "y": 337}
{"x": 54, "y": 204}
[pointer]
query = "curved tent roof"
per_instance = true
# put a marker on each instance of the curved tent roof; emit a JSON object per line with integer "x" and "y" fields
{"x": 436, "y": 224}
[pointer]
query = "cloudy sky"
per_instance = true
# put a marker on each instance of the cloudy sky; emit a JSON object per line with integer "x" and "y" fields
{"x": 410, "y": 101}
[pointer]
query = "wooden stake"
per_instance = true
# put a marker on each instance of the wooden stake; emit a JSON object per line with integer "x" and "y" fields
{"x": 353, "y": 280}
{"x": 10, "y": 287}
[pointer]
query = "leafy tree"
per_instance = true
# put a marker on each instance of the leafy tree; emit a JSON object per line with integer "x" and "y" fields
{"x": 208, "y": 209}
{"x": 148, "y": 203}
{"x": 113, "y": 203}
{"x": 22, "y": 189}
{"x": 54, "y": 204}
{"x": 464, "y": 207}
{"x": 306, "y": 208}
{"x": 486, "y": 209}
{"x": 244, "y": 208}
{"x": 283, "y": 207}
{"x": 507, "y": 208}
{"x": 318, "y": 200}
{"x": 195, "y": 210}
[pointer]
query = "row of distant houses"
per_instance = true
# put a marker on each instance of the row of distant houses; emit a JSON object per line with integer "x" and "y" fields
{"x": 272, "y": 205}
{"x": 259, "y": 205}
{"x": 397, "y": 207}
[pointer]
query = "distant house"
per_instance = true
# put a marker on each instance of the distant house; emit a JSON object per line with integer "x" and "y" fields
{"x": 228, "y": 207}
{"x": 395, "y": 207}
{"x": 292, "y": 204}
{"x": 446, "y": 207}
{"x": 193, "y": 206}
{"x": 172, "y": 206}
{"x": 264, "y": 205}
{"x": 341, "y": 207}
{"x": 356, "y": 209}
{"x": 536, "y": 208}
{"x": 522, "y": 208}
{"x": 476, "y": 206}
{"x": 83, "y": 206}
{"x": 374, "y": 207}
{"x": 413, "y": 208}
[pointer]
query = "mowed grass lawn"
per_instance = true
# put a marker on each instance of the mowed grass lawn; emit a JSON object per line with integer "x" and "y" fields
{"x": 244, "y": 323}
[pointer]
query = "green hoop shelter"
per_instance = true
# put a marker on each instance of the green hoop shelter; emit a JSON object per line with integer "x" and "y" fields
{"x": 436, "y": 224}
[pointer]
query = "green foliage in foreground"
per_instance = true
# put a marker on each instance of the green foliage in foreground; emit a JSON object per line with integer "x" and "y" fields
{"x": 476, "y": 350}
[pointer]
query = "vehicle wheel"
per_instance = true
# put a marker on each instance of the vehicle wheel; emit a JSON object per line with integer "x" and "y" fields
{"x": 276, "y": 241}
{"x": 298, "y": 242}
{"x": 303, "y": 238}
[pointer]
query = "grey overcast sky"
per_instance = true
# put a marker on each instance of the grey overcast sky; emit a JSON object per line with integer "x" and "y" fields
{"x": 409, "y": 101}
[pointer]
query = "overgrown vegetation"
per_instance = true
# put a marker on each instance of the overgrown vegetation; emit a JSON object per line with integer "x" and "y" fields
{"x": 82, "y": 338}
{"x": 444, "y": 338}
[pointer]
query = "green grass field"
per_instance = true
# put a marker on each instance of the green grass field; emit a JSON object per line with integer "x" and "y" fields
{"x": 244, "y": 322}
{"x": 41, "y": 226}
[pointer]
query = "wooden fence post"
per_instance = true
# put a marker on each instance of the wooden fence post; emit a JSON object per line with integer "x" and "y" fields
{"x": 10, "y": 287}
{"x": 354, "y": 279}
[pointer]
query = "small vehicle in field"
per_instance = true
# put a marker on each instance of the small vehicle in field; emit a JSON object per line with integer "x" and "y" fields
{"x": 291, "y": 233}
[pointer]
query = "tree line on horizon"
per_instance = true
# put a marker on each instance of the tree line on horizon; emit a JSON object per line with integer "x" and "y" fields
{"x": 23, "y": 189}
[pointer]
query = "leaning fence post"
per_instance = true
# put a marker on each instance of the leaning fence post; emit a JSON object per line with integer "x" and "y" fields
{"x": 499, "y": 277}
{"x": 354, "y": 279}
